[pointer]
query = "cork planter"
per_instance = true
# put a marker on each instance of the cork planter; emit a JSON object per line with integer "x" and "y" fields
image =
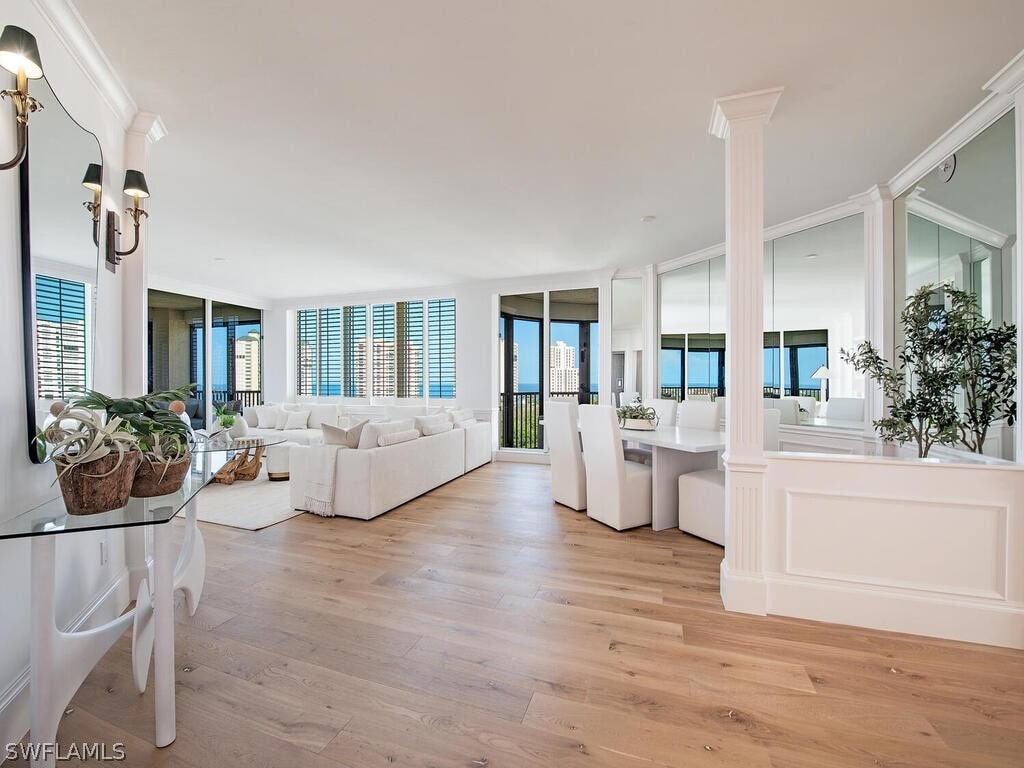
{"x": 97, "y": 486}
{"x": 157, "y": 479}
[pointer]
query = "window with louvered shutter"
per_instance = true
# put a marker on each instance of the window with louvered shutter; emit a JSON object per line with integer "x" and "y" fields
{"x": 61, "y": 337}
{"x": 441, "y": 336}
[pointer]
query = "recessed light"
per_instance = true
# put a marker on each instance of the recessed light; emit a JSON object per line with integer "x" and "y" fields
{"x": 811, "y": 256}
{"x": 648, "y": 218}
{"x": 219, "y": 258}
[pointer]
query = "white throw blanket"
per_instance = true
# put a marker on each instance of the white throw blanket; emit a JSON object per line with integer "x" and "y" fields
{"x": 318, "y": 494}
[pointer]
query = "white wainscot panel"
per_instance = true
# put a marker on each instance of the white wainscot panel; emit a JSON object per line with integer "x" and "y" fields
{"x": 944, "y": 546}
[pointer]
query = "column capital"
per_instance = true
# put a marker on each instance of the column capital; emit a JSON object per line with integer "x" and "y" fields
{"x": 148, "y": 125}
{"x": 754, "y": 106}
{"x": 880, "y": 193}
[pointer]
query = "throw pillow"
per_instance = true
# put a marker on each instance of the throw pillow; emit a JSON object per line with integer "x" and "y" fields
{"x": 267, "y": 417}
{"x": 250, "y": 417}
{"x": 465, "y": 423}
{"x": 372, "y": 431}
{"x": 347, "y": 437}
{"x": 295, "y": 419}
{"x": 437, "y": 429}
{"x": 460, "y": 414}
{"x": 392, "y": 438}
{"x": 430, "y": 421}
{"x": 322, "y": 414}
{"x": 280, "y": 418}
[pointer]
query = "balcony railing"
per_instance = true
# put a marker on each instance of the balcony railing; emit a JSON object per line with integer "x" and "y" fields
{"x": 676, "y": 393}
{"x": 519, "y": 416}
{"x": 249, "y": 397}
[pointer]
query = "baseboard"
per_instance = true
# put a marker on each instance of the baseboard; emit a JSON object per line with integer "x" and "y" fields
{"x": 522, "y": 456}
{"x": 969, "y": 619}
{"x": 14, "y": 700}
{"x": 742, "y": 593}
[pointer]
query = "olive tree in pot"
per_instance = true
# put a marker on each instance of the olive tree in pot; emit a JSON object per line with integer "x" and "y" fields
{"x": 949, "y": 348}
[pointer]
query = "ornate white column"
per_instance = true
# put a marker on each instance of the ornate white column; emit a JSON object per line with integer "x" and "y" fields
{"x": 877, "y": 207}
{"x": 1010, "y": 80}
{"x": 145, "y": 130}
{"x": 740, "y": 120}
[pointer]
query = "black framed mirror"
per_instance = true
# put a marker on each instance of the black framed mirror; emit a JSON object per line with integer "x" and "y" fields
{"x": 59, "y": 258}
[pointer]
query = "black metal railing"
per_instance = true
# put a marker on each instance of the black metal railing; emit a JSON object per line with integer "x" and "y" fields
{"x": 249, "y": 397}
{"x": 676, "y": 393}
{"x": 519, "y": 416}
{"x": 591, "y": 398}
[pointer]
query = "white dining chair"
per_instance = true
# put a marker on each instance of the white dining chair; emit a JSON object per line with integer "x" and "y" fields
{"x": 628, "y": 398}
{"x": 664, "y": 408}
{"x": 702, "y": 493}
{"x": 789, "y": 410}
{"x": 568, "y": 474}
{"x": 808, "y": 405}
{"x": 618, "y": 491}
{"x": 845, "y": 408}
{"x": 698, "y": 414}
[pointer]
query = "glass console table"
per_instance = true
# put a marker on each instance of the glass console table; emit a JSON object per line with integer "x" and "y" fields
{"x": 60, "y": 661}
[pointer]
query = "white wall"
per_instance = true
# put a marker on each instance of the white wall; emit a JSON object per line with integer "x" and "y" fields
{"x": 81, "y": 579}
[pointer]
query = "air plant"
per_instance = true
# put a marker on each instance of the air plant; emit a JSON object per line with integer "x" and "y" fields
{"x": 78, "y": 436}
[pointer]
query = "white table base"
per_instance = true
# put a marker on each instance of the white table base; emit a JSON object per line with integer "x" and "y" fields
{"x": 667, "y": 464}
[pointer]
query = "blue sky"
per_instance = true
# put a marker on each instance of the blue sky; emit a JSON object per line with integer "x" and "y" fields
{"x": 527, "y": 336}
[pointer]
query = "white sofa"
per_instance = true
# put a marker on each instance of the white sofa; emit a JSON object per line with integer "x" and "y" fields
{"x": 370, "y": 481}
{"x": 335, "y": 414}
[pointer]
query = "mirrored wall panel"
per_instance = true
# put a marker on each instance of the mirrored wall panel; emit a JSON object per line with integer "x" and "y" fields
{"x": 627, "y": 339}
{"x": 957, "y": 227}
{"x": 59, "y": 258}
{"x": 177, "y": 348}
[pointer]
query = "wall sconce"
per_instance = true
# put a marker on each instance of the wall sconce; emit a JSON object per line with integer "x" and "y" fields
{"x": 19, "y": 55}
{"x": 93, "y": 180}
{"x": 135, "y": 187}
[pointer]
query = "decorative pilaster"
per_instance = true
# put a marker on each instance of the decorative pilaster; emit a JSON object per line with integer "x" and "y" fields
{"x": 740, "y": 121}
{"x": 651, "y": 330}
{"x": 145, "y": 130}
{"x": 877, "y": 207}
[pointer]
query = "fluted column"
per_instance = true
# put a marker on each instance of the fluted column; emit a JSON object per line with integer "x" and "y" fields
{"x": 877, "y": 207}
{"x": 740, "y": 121}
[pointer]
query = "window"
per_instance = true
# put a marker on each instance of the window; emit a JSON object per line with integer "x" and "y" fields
{"x": 441, "y": 334}
{"x": 806, "y": 351}
{"x": 318, "y": 352}
{"x": 335, "y": 356}
{"x": 60, "y": 338}
{"x": 355, "y": 347}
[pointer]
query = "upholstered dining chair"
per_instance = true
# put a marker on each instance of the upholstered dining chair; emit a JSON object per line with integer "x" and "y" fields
{"x": 618, "y": 491}
{"x": 664, "y": 408}
{"x": 568, "y": 474}
{"x": 698, "y": 414}
{"x": 845, "y": 408}
{"x": 702, "y": 493}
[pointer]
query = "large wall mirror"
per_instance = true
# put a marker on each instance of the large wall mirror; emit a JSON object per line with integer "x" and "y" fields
{"x": 627, "y": 339}
{"x": 813, "y": 308}
{"x": 957, "y": 226}
{"x": 60, "y": 258}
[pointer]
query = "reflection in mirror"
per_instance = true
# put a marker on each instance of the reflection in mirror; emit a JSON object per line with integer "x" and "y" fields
{"x": 627, "y": 339}
{"x": 236, "y": 369}
{"x": 177, "y": 348}
{"x": 960, "y": 229}
{"x": 59, "y": 259}
{"x": 573, "y": 350}
{"x": 818, "y": 307}
{"x": 520, "y": 363}
{"x": 693, "y": 331}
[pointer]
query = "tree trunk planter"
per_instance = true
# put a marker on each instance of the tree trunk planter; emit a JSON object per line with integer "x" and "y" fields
{"x": 155, "y": 479}
{"x": 97, "y": 486}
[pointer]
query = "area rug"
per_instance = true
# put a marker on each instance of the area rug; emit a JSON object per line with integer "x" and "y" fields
{"x": 250, "y": 505}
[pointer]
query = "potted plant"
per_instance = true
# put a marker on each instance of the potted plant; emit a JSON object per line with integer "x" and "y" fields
{"x": 163, "y": 438}
{"x": 949, "y": 349}
{"x": 635, "y": 416}
{"x": 225, "y": 415}
{"x": 95, "y": 460}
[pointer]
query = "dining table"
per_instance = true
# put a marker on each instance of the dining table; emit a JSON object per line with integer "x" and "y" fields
{"x": 674, "y": 451}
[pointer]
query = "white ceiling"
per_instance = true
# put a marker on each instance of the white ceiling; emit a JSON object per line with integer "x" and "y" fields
{"x": 344, "y": 146}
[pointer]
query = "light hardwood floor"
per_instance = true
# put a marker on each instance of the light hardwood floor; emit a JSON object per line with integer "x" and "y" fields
{"x": 481, "y": 626}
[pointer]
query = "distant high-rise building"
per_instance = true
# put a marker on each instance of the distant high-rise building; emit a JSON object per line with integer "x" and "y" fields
{"x": 388, "y": 379}
{"x": 565, "y": 376}
{"x": 247, "y": 363}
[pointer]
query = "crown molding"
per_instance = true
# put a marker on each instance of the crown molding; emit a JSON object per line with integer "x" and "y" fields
{"x": 990, "y": 109}
{"x": 755, "y": 105}
{"x": 1010, "y": 78}
{"x": 944, "y": 217}
{"x": 850, "y": 207}
{"x": 69, "y": 27}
